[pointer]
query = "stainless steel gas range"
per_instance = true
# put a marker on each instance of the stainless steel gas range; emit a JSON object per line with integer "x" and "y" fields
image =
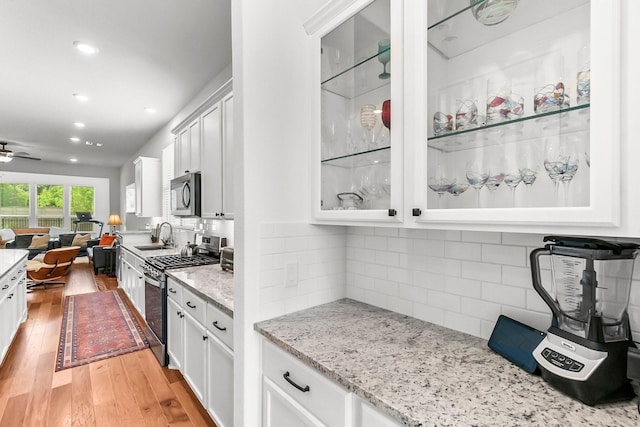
{"x": 155, "y": 296}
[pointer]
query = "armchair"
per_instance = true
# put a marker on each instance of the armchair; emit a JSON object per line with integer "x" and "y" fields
{"x": 54, "y": 265}
{"x": 102, "y": 255}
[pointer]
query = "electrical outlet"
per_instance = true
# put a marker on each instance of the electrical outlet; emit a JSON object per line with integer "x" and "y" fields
{"x": 291, "y": 274}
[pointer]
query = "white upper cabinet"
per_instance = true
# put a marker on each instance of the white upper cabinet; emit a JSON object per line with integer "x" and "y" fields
{"x": 187, "y": 149}
{"x": 508, "y": 132}
{"x": 357, "y": 154}
{"x": 148, "y": 180}
{"x": 217, "y": 154}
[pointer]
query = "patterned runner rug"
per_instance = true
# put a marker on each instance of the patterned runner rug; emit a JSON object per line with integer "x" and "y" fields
{"x": 97, "y": 326}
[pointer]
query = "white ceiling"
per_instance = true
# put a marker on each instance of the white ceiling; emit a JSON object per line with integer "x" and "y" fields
{"x": 156, "y": 53}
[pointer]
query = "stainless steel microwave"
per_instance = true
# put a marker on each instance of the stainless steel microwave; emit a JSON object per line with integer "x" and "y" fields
{"x": 185, "y": 195}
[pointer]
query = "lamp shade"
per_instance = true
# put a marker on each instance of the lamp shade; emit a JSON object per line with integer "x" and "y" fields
{"x": 114, "y": 219}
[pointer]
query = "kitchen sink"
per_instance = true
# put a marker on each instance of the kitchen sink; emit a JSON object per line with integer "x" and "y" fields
{"x": 150, "y": 247}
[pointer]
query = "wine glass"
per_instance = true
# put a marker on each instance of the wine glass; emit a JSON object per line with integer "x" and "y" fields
{"x": 496, "y": 174}
{"x": 476, "y": 176}
{"x": 439, "y": 182}
{"x": 457, "y": 187}
{"x": 561, "y": 163}
{"x": 384, "y": 56}
{"x": 512, "y": 172}
{"x": 368, "y": 120}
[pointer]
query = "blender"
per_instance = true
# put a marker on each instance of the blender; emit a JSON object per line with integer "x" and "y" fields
{"x": 584, "y": 354}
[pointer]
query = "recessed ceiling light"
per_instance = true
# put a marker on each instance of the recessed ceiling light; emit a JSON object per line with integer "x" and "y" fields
{"x": 98, "y": 144}
{"x": 88, "y": 142}
{"x": 79, "y": 124}
{"x": 150, "y": 110}
{"x": 74, "y": 139}
{"x": 80, "y": 97}
{"x": 73, "y": 160}
{"x": 85, "y": 48}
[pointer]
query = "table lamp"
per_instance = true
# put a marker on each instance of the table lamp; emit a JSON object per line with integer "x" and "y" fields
{"x": 114, "y": 220}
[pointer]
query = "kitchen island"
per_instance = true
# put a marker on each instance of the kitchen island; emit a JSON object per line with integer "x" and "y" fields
{"x": 422, "y": 374}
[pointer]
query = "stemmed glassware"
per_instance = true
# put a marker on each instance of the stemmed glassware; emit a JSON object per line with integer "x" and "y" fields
{"x": 384, "y": 56}
{"x": 477, "y": 176}
{"x": 496, "y": 174}
{"x": 439, "y": 182}
{"x": 368, "y": 121}
{"x": 561, "y": 163}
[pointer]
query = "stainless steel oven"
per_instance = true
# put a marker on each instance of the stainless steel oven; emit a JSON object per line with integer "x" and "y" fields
{"x": 155, "y": 302}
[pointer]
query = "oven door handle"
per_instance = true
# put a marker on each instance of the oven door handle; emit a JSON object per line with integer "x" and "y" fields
{"x": 153, "y": 282}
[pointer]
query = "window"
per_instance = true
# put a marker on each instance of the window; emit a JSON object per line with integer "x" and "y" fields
{"x": 14, "y": 205}
{"x": 82, "y": 200}
{"x": 50, "y": 212}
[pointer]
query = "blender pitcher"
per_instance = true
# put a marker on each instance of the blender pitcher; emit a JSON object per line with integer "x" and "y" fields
{"x": 590, "y": 286}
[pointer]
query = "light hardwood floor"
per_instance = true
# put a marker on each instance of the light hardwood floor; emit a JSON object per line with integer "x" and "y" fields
{"x": 125, "y": 391}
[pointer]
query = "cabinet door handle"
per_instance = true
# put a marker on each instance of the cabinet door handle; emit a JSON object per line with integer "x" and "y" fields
{"x": 178, "y": 313}
{"x": 5, "y": 287}
{"x": 218, "y": 327}
{"x": 181, "y": 316}
{"x": 173, "y": 291}
{"x": 286, "y": 376}
{"x": 204, "y": 338}
{"x": 221, "y": 213}
{"x": 393, "y": 212}
{"x": 189, "y": 305}
{"x": 10, "y": 296}
{"x": 416, "y": 212}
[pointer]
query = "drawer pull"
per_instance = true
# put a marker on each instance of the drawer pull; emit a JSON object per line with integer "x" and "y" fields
{"x": 218, "y": 327}
{"x": 204, "y": 338}
{"x": 5, "y": 287}
{"x": 189, "y": 305}
{"x": 286, "y": 376}
{"x": 173, "y": 291}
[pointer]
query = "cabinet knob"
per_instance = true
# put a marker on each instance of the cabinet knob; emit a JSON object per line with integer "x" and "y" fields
{"x": 416, "y": 212}
{"x": 393, "y": 212}
{"x": 221, "y": 213}
{"x": 217, "y": 214}
{"x": 204, "y": 338}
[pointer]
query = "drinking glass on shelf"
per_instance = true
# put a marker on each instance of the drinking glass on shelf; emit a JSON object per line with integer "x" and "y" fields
{"x": 466, "y": 114}
{"x": 384, "y": 56}
{"x": 368, "y": 121}
{"x": 477, "y": 176}
{"x": 439, "y": 182}
{"x": 561, "y": 163}
{"x": 457, "y": 187}
{"x": 512, "y": 178}
{"x": 496, "y": 174}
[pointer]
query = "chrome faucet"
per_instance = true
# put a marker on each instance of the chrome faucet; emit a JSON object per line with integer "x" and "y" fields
{"x": 166, "y": 242}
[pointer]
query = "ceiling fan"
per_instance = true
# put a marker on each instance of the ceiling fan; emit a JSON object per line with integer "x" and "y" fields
{"x": 8, "y": 155}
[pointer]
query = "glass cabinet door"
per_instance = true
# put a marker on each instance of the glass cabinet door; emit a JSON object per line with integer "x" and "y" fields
{"x": 356, "y": 140}
{"x": 512, "y": 130}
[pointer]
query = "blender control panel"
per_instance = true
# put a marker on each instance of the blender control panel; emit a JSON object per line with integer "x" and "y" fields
{"x": 562, "y": 361}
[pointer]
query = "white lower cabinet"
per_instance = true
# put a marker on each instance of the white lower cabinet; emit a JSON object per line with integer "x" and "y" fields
{"x": 366, "y": 415}
{"x": 13, "y": 304}
{"x": 132, "y": 281}
{"x": 293, "y": 394}
{"x": 219, "y": 402}
{"x": 175, "y": 336}
{"x": 195, "y": 351}
{"x": 200, "y": 345}
{"x": 292, "y": 390}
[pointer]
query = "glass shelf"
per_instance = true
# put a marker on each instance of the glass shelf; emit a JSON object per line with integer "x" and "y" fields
{"x": 363, "y": 158}
{"x": 361, "y": 78}
{"x": 564, "y": 121}
{"x": 449, "y": 23}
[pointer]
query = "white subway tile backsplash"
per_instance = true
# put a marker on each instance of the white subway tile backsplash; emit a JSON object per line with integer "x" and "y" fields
{"x": 413, "y": 294}
{"x": 386, "y": 287}
{"x": 520, "y": 239}
{"x": 429, "y": 314}
{"x": 400, "y": 275}
{"x": 540, "y": 321}
{"x": 429, "y": 247}
{"x": 461, "y": 322}
{"x": 463, "y": 250}
{"x": 429, "y": 280}
{"x": 443, "y": 234}
{"x": 447, "y": 266}
{"x": 517, "y": 276}
{"x": 507, "y": 295}
{"x": 443, "y": 300}
{"x": 388, "y": 258}
{"x": 464, "y": 287}
{"x": 386, "y": 231}
{"x": 399, "y": 244}
{"x": 376, "y": 242}
{"x": 501, "y": 254}
{"x": 480, "y": 237}
{"x": 400, "y": 305}
{"x": 478, "y": 308}
{"x": 481, "y": 271}
{"x": 535, "y": 302}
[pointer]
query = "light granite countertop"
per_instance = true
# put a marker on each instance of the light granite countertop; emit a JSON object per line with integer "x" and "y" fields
{"x": 9, "y": 258}
{"x": 210, "y": 282}
{"x": 422, "y": 374}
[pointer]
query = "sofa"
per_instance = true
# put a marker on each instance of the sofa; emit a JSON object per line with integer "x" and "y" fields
{"x": 8, "y": 234}
{"x": 26, "y": 241}
{"x": 83, "y": 240}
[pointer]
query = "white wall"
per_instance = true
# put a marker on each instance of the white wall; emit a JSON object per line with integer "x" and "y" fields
{"x": 459, "y": 279}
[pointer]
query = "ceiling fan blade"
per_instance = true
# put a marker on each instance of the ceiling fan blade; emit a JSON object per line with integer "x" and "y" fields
{"x": 26, "y": 157}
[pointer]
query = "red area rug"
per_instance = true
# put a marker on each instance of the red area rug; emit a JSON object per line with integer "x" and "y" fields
{"x": 97, "y": 326}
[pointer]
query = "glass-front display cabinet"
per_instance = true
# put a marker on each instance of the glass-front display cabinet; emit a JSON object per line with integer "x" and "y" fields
{"x": 358, "y": 154}
{"x": 519, "y": 118}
